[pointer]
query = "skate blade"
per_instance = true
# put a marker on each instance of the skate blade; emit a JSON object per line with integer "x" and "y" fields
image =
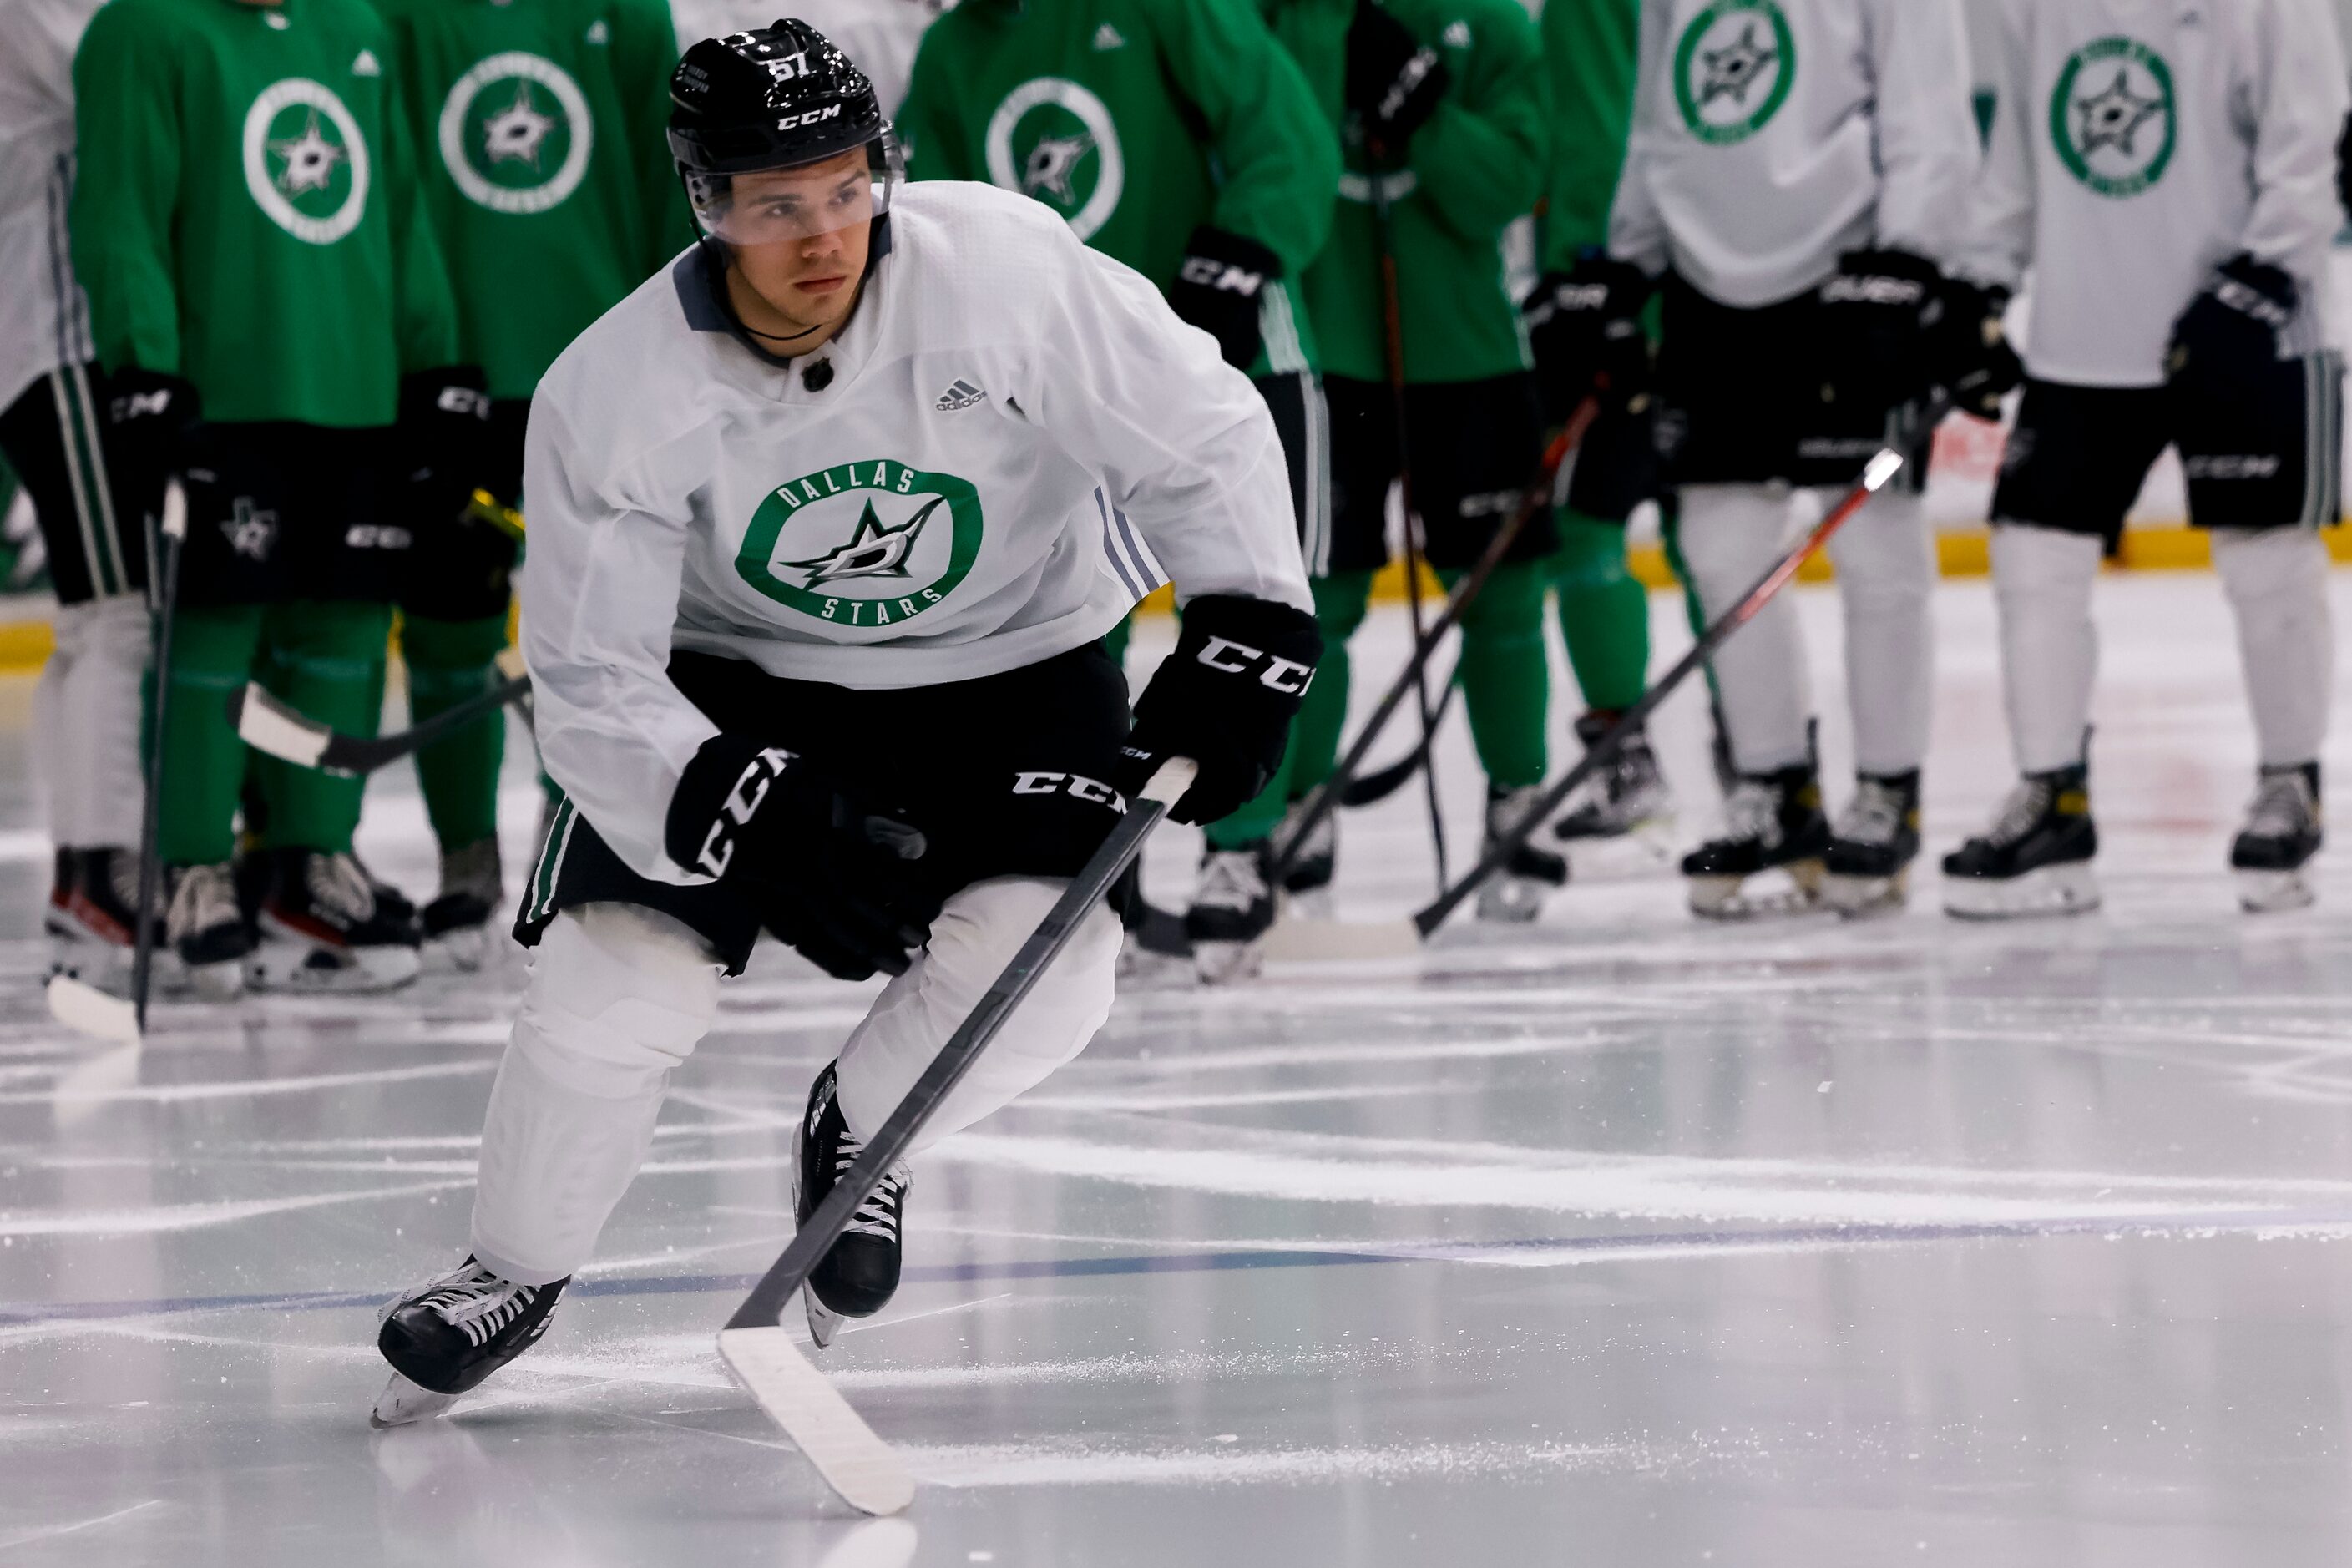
{"x": 285, "y": 962}
{"x": 2071, "y": 889}
{"x": 1511, "y": 900}
{"x": 2274, "y": 892}
{"x": 1306, "y": 904}
{"x": 824, "y": 1323}
{"x": 463, "y": 950}
{"x": 1227, "y": 963}
{"x": 403, "y": 1402}
{"x": 1739, "y": 898}
{"x": 1860, "y": 898}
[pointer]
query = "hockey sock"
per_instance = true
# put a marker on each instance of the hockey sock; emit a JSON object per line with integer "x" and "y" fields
{"x": 1887, "y": 584}
{"x": 1506, "y": 679}
{"x": 212, "y": 654}
{"x": 1341, "y": 601}
{"x": 326, "y": 661}
{"x": 2277, "y": 582}
{"x": 449, "y": 663}
{"x": 1604, "y": 612}
{"x": 2041, "y": 580}
{"x": 1729, "y": 535}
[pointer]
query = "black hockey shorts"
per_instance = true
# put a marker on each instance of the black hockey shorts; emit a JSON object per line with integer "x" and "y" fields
{"x": 279, "y": 511}
{"x": 51, "y": 434}
{"x": 461, "y": 568}
{"x": 2270, "y": 458}
{"x": 1303, "y": 421}
{"x": 1007, "y": 775}
{"x": 1474, "y": 447}
{"x": 1741, "y": 397}
{"x": 1615, "y": 467}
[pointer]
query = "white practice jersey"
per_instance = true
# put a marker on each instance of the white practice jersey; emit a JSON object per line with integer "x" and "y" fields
{"x": 2137, "y": 144}
{"x": 44, "y": 319}
{"x": 880, "y": 36}
{"x": 1017, "y": 437}
{"x": 1769, "y": 137}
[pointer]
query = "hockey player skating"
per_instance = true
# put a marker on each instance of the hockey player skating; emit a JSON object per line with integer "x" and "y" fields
{"x": 87, "y": 708}
{"x": 1180, "y": 139}
{"x": 1443, "y": 102}
{"x": 822, "y": 555}
{"x": 1793, "y": 184}
{"x": 2168, "y": 173}
{"x": 539, "y": 124}
{"x": 271, "y": 311}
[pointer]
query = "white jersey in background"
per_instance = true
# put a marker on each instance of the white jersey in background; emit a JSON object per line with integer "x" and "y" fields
{"x": 1771, "y": 136}
{"x": 2138, "y": 143}
{"x": 44, "y": 319}
{"x": 881, "y": 36}
{"x": 1014, "y": 429}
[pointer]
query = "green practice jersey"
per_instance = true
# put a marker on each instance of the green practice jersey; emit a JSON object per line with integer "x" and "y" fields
{"x": 538, "y": 125}
{"x": 1137, "y": 120}
{"x": 246, "y": 212}
{"x": 1589, "y": 46}
{"x": 1474, "y": 167}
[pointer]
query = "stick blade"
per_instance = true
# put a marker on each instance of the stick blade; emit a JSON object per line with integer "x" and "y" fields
{"x": 1325, "y": 942}
{"x": 854, "y": 1461}
{"x": 269, "y": 726}
{"x": 85, "y": 1009}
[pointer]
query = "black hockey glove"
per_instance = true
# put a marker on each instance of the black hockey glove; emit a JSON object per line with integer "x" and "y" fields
{"x": 1224, "y": 699}
{"x": 1969, "y": 348}
{"x": 152, "y": 422}
{"x": 444, "y": 437}
{"x": 828, "y": 875}
{"x": 1218, "y": 287}
{"x": 1394, "y": 81}
{"x": 1876, "y": 311}
{"x": 1585, "y": 326}
{"x": 2237, "y": 325}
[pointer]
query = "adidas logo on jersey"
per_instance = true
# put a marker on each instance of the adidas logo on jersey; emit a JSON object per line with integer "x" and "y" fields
{"x": 598, "y": 32}
{"x": 962, "y": 394}
{"x": 366, "y": 64}
{"x": 1107, "y": 38}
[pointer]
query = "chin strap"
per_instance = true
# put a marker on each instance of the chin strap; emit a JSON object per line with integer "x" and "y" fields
{"x": 716, "y": 260}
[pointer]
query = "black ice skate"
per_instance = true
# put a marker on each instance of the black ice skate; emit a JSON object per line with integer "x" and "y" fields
{"x": 1233, "y": 908}
{"x": 208, "y": 931}
{"x": 457, "y": 924}
{"x": 2036, "y": 860}
{"x": 90, "y": 922}
{"x": 1627, "y": 795}
{"x": 1868, "y": 867}
{"x": 1514, "y": 894}
{"x": 1308, "y": 883}
{"x": 2273, "y": 853}
{"x": 859, "y": 1274}
{"x": 443, "y": 1339}
{"x": 1773, "y": 822}
{"x": 325, "y": 926}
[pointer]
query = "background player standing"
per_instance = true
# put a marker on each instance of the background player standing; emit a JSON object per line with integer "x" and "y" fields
{"x": 1444, "y": 102}
{"x": 2197, "y": 145}
{"x": 261, "y": 274}
{"x": 822, "y": 567}
{"x": 87, "y": 708}
{"x": 1794, "y": 177}
{"x": 538, "y": 125}
{"x": 1179, "y": 138}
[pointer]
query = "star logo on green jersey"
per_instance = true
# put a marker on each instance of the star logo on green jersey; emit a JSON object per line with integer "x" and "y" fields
{"x": 515, "y": 133}
{"x": 2113, "y": 117}
{"x": 1734, "y": 67}
{"x": 1053, "y": 139}
{"x": 855, "y": 544}
{"x": 306, "y": 163}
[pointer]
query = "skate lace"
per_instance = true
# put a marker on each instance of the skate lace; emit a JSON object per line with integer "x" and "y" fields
{"x": 206, "y": 898}
{"x": 1230, "y": 879}
{"x": 2020, "y": 813}
{"x": 336, "y": 882}
{"x": 1875, "y": 815}
{"x": 1505, "y": 813}
{"x": 477, "y": 1302}
{"x": 1752, "y": 811}
{"x": 878, "y": 1214}
{"x": 2282, "y": 806}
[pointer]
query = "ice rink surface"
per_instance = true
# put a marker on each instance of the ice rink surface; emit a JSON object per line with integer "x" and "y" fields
{"x": 1614, "y": 1240}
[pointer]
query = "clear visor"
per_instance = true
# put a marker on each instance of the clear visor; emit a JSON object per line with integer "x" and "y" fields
{"x": 781, "y": 206}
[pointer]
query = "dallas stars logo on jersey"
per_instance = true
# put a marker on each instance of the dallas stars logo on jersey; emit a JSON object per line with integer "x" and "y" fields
{"x": 515, "y": 133}
{"x": 2113, "y": 117}
{"x": 863, "y": 544}
{"x": 1053, "y": 139}
{"x": 1733, "y": 70}
{"x": 306, "y": 163}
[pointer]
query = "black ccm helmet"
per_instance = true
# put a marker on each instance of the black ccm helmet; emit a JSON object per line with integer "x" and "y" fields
{"x": 779, "y": 96}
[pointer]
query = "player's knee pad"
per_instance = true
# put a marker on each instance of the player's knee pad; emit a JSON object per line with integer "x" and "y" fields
{"x": 1591, "y": 554}
{"x": 1509, "y": 608}
{"x": 618, "y": 996}
{"x": 1728, "y": 535}
{"x": 2044, "y": 568}
{"x": 114, "y": 631}
{"x": 976, "y": 935}
{"x": 1885, "y": 550}
{"x": 2266, "y": 571}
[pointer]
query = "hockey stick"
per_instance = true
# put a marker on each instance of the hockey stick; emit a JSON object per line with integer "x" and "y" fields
{"x": 77, "y": 1004}
{"x": 268, "y": 725}
{"x": 1376, "y": 786}
{"x": 845, "y": 1451}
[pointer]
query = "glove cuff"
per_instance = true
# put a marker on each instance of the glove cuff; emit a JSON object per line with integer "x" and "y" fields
{"x": 1219, "y": 259}
{"x": 717, "y": 797}
{"x": 1237, "y": 635}
{"x": 135, "y": 393}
